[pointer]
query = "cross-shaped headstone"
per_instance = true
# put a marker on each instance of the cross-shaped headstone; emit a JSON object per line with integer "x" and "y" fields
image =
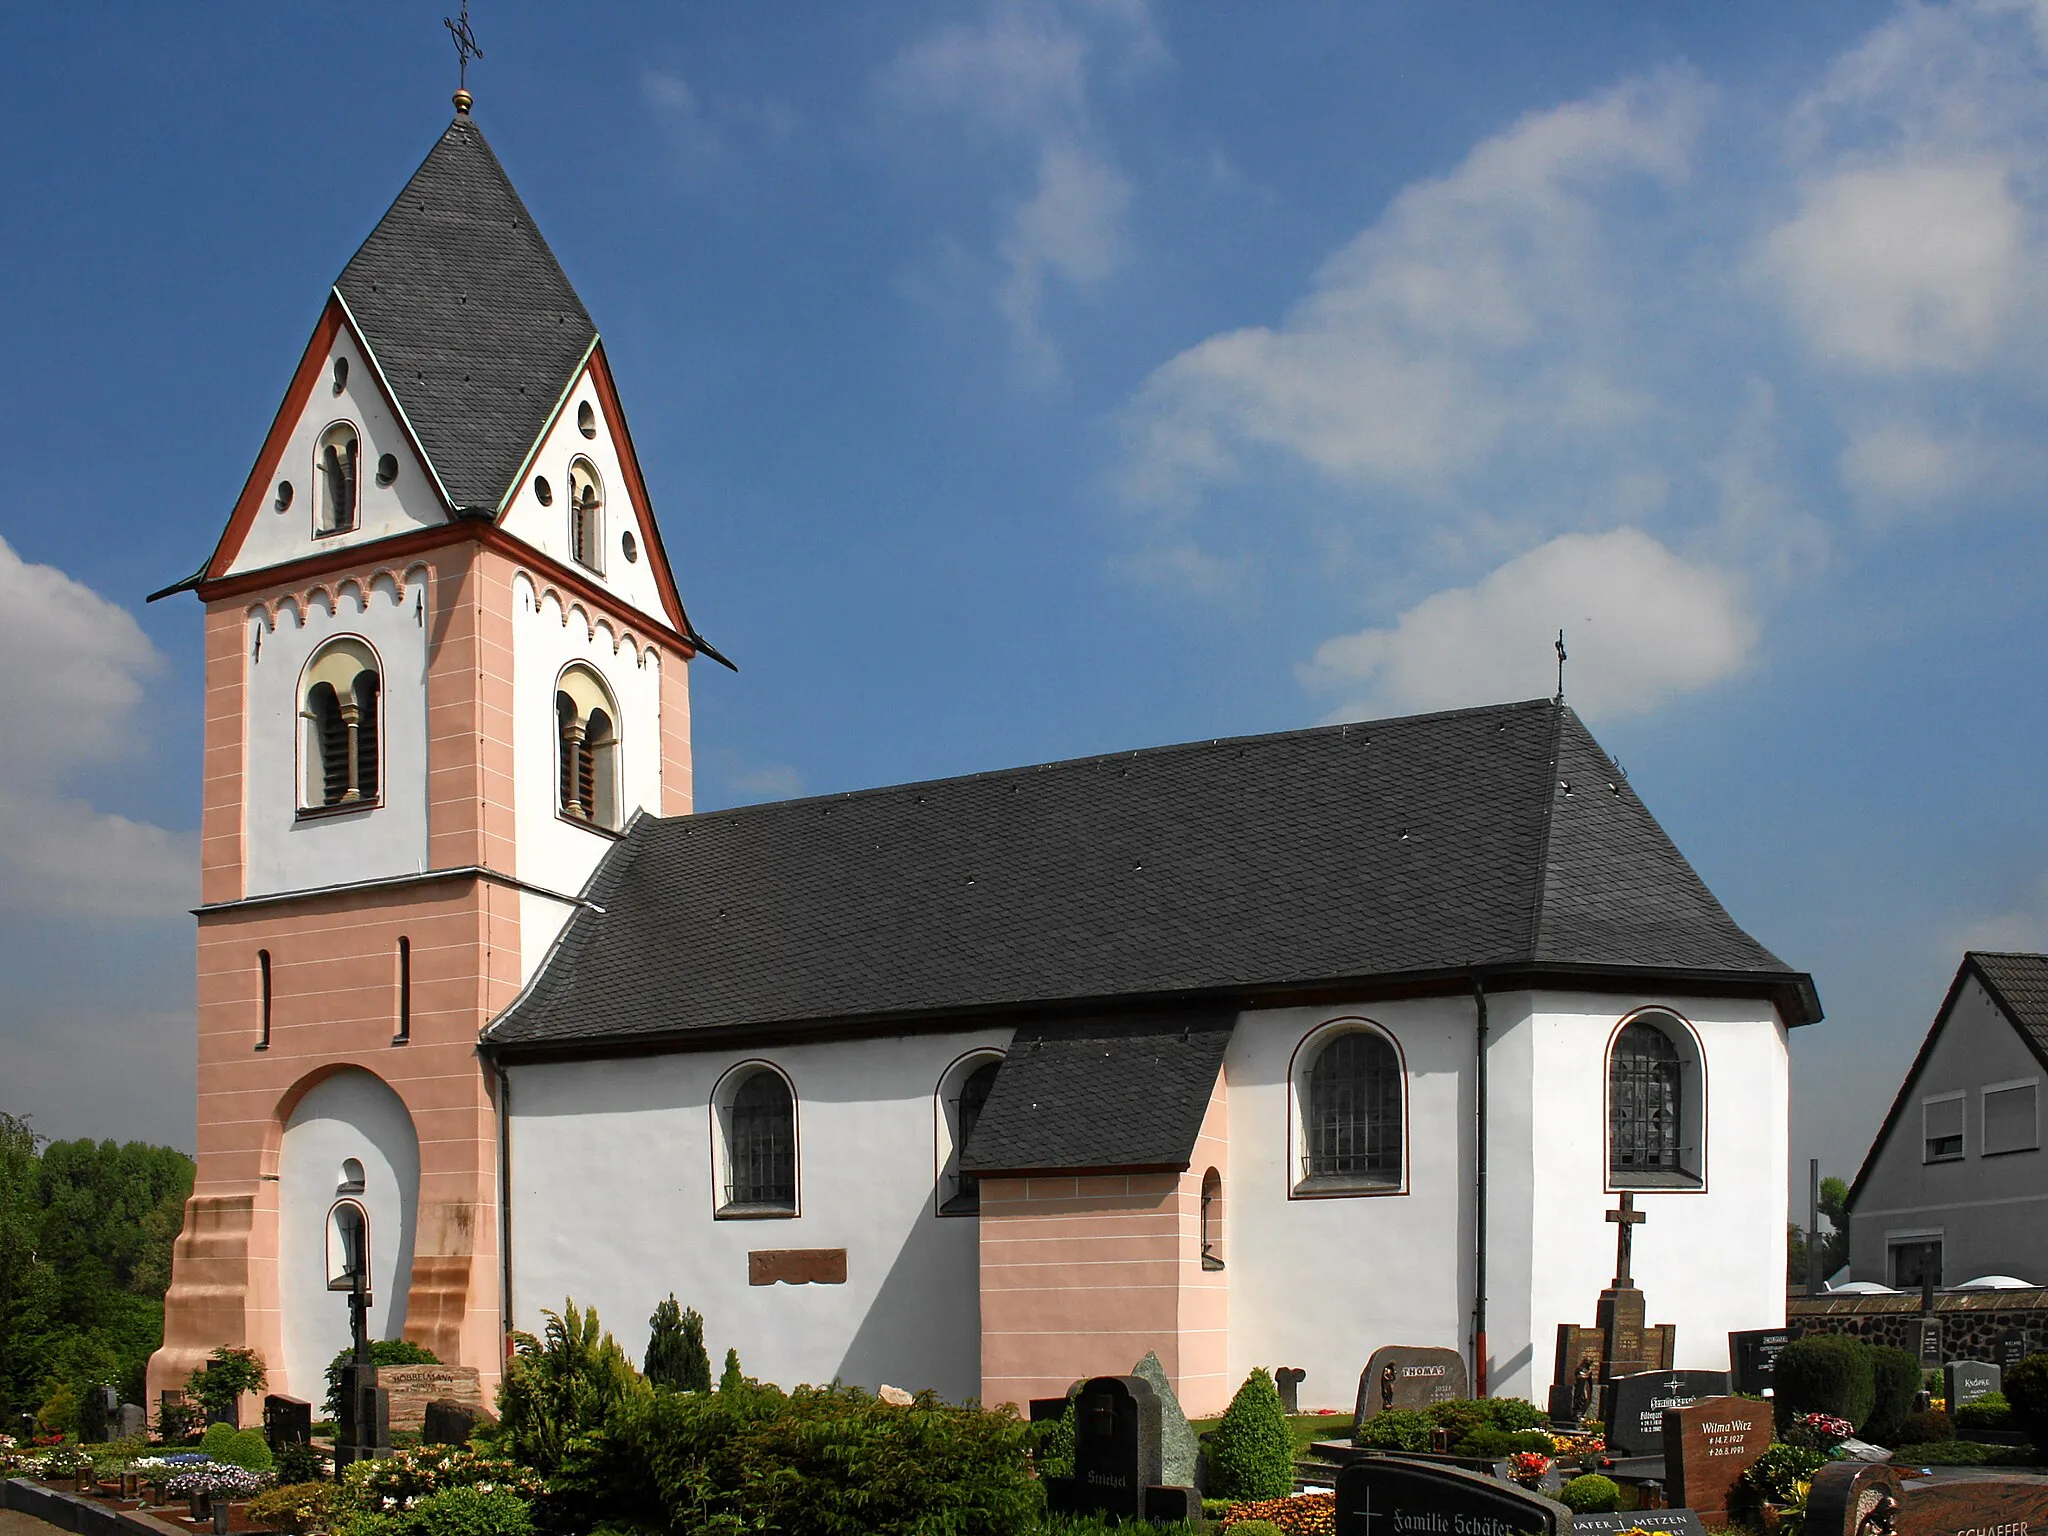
{"x": 1628, "y": 1218}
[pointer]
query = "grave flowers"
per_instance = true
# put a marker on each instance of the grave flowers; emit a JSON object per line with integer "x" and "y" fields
{"x": 1780, "y": 1479}
{"x": 1819, "y": 1431}
{"x": 215, "y": 1480}
{"x": 1303, "y": 1514}
{"x": 1529, "y": 1468}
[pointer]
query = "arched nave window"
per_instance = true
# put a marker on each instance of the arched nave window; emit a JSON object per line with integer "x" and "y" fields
{"x": 1349, "y": 1094}
{"x": 963, "y": 1095}
{"x": 756, "y": 1114}
{"x": 338, "y": 707}
{"x": 586, "y": 515}
{"x": 1653, "y": 1110}
{"x": 1212, "y": 1220}
{"x": 587, "y": 722}
{"x": 335, "y": 475}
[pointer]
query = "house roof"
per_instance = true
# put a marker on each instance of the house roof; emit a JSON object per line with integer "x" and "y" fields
{"x": 1101, "y": 1092}
{"x": 2018, "y": 984}
{"x": 1431, "y": 846}
{"x": 469, "y": 316}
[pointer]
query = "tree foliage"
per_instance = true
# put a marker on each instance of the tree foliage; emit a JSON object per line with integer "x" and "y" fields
{"x": 86, "y": 1229}
{"x": 561, "y": 1386}
{"x": 1834, "y": 1243}
{"x": 676, "y": 1357}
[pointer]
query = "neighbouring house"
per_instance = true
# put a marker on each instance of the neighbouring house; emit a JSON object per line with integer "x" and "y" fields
{"x": 1269, "y": 1050}
{"x": 1955, "y": 1188}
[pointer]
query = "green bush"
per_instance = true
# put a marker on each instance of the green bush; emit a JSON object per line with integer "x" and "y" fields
{"x": 1924, "y": 1427}
{"x": 1894, "y": 1383}
{"x": 247, "y": 1449}
{"x": 1251, "y": 1454}
{"x": 1496, "y": 1443}
{"x": 1590, "y": 1494}
{"x": 298, "y": 1463}
{"x": 219, "y": 1385}
{"x": 676, "y": 1357}
{"x": 295, "y": 1507}
{"x": 1215, "y": 1509}
{"x": 1991, "y": 1411}
{"x": 1395, "y": 1429}
{"x": 1514, "y": 1413}
{"x": 1775, "y": 1476}
{"x": 1824, "y": 1373}
{"x": 562, "y": 1387}
{"x": 819, "y": 1461}
{"x": 382, "y": 1352}
{"x": 217, "y": 1439}
{"x": 2026, "y": 1390}
{"x": 470, "y": 1512}
{"x": 1054, "y": 1448}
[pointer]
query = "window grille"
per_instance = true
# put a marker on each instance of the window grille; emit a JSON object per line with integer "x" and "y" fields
{"x": 761, "y": 1151}
{"x": 1354, "y": 1112}
{"x": 1646, "y": 1099}
{"x": 974, "y": 1092}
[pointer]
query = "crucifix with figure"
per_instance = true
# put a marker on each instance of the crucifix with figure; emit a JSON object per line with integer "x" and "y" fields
{"x": 1627, "y": 1219}
{"x": 1620, "y": 1342}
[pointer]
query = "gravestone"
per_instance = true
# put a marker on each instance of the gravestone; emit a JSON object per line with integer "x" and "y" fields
{"x": 1753, "y": 1358}
{"x": 1289, "y": 1379}
{"x": 364, "y": 1431}
{"x": 1386, "y": 1496}
{"x": 1636, "y": 1406}
{"x": 1620, "y": 1342}
{"x": 1964, "y": 1381}
{"x": 1849, "y": 1498}
{"x": 452, "y": 1423}
{"x": 1178, "y": 1451}
{"x": 412, "y": 1387}
{"x": 1410, "y": 1376}
{"x": 1928, "y": 1341}
{"x": 1116, "y": 1449}
{"x": 1708, "y": 1446}
{"x": 2010, "y": 1348}
{"x": 287, "y": 1421}
{"x": 1853, "y": 1500}
{"x": 1656, "y": 1522}
{"x": 130, "y": 1422}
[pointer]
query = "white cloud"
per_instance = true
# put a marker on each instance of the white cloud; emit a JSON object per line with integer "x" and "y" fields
{"x": 79, "y": 666}
{"x": 1481, "y": 307}
{"x": 1909, "y": 266}
{"x": 770, "y": 781}
{"x": 1641, "y": 623}
{"x": 704, "y": 133}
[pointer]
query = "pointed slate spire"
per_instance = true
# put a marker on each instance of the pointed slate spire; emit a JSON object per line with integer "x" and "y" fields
{"x": 469, "y": 315}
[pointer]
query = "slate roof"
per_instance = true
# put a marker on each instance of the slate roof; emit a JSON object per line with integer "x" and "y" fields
{"x": 469, "y": 315}
{"x": 1491, "y": 838}
{"x": 1110, "y": 1092}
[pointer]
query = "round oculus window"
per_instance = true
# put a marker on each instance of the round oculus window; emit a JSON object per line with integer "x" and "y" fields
{"x": 586, "y": 420}
{"x": 284, "y": 496}
{"x": 340, "y": 374}
{"x": 387, "y": 468}
{"x": 630, "y": 545}
{"x": 542, "y": 491}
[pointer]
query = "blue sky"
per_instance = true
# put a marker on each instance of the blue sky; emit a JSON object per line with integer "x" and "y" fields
{"x": 1023, "y": 380}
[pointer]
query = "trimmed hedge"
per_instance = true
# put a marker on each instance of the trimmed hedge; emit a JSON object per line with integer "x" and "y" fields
{"x": 1825, "y": 1373}
{"x": 1251, "y": 1454}
{"x": 2026, "y": 1390}
{"x": 1590, "y": 1494}
{"x": 1894, "y": 1383}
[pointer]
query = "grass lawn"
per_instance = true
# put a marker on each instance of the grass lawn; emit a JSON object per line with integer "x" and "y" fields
{"x": 1966, "y": 1453}
{"x": 1302, "y": 1428}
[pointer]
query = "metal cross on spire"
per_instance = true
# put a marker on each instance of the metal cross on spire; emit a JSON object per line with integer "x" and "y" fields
{"x": 465, "y": 50}
{"x": 1559, "y": 648}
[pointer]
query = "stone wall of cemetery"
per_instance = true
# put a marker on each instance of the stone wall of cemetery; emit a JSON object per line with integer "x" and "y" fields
{"x": 1971, "y": 1321}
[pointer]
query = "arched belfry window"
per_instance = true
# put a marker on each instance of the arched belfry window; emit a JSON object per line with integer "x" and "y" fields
{"x": 339, "y": 709}
{"x": 1349, "y": 1098}
{"x": 1653, "y": 1110}
{"x": 963, "y": 1095}
{"x": 586, "y": 723}
{"x": 335, "y": 463}
{"x": 586, "y": 515}
{"x": 757, "y": 1126}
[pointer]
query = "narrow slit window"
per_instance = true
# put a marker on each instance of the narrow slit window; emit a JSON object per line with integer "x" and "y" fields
{"x": 1212, "y": 1220}
{"x": 263, "y": 1005}
{"x": 404, "y": 1031}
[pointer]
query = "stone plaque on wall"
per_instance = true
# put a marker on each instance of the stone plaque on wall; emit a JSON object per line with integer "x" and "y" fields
{"x": 412, "y": 1387}
{"x": 1408, "y": 1376}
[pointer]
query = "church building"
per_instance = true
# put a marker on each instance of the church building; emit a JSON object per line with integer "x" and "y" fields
{"x": 1259, "y": 1051}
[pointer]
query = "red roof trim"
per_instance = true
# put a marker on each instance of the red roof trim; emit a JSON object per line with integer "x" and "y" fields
{"x": 636, "y": 487}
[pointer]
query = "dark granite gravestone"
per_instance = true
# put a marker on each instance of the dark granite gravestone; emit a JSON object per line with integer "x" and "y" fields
{"x": 287, "y": 1421}
{"x": 1636, "y": 1406}
{"x": 2010, "y": 1348}
{"x": 1849, "y": 1499}
{"x": 1386, "y": 1496}
{"x": 1409, "y": 1376}
{"x": 1178, "y": 1451}
{"x": 1708, "y": 1446}
{"x": 1964, "y": 1381}
{"x": 1655, "y": 1522}
{"x": 1289, "y": 1379}
{"x": 1753, "y": 1358}
{"x": 1116, "y": 1449}
{"x": 1928, "y": 1340}
{"x": 130, "y": 1422}
{"x": 448, "y": 1422}
{"x": 364, "y": 1431}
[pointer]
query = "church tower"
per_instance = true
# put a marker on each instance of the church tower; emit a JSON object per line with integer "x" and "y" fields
{"x": 446, "y": 664}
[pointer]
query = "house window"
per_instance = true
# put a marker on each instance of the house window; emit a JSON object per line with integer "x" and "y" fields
{"x": 1351, "y": 1115}
{"x": 1212, "y": 1220}
{"x": 334, "y": 478}
{"x": 1913, "y": 1262}
{"x": 263, "y": 982}
{"x": 586, "y": 722}
{"x": 1646, "y": 1091}
{"x": 1941, "y": 1128}
{"x": 760, "y": 1146}
{"x": 2011, "y": 1118}
{"x": 339, "y": 710}
{"x": 586, "y": 515}
{"x": 962, "y": 1097}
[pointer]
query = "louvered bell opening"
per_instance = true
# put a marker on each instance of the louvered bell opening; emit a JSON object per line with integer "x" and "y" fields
{"x": 330, "y": 734}
{"x": 367, "y": 720}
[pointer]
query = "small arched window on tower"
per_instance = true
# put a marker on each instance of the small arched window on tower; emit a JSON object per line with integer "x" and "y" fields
{"x": 339, "y": 710}
{"x": 1653, "y": 1114}
{"x": 586, "y": 722}
{"x": 335, "y": 465}
{"x": 586, "y": 515}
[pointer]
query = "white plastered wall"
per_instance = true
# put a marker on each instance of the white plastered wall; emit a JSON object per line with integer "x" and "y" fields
{"x": 613, "y": 1200}
{"x": 408, "y": 503}
{"x": 349, "y": 1115}
{"x": 550, "y": 631}
{"x": 285, "y": 850}
{"x": 1708, "y": 1260}
{"x": 547, "y": 528}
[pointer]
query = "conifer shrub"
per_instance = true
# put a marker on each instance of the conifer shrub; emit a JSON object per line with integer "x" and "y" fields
{"x": 730, "y": 1379}
{"x": 2026, "y": 1390}
{"x": 1895, "y": 1382}
{"x": 217, "y": 1439}
{"x": 561, "y": 1385}
{"x": 676, "y": 1358}
{"x": 1590, "y": 1494}
{"x": 1251, "y": 1455}
{"x": 1824, "y": 1373}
